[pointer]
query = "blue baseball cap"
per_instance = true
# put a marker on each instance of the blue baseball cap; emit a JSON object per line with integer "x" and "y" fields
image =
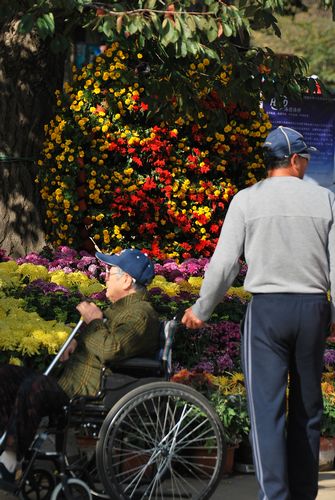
{"x": 283, "y": 142}
{"x": 133, "y": 262}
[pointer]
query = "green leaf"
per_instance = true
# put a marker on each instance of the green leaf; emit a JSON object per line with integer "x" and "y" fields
{"x": 212, "y": 30}
{"x": 191, "y": 23}
{"x": 45, "y": 25}
{"x": 155, "y": 21}
{"x": 227, "y": 30}
{"x": 108, "y": 27}
{"x": 212, "y": 35}
{"x": 27, "y": 23}
{"x": 150, "y": 4}
{"x": 170, "y": 34}
{"x": 201, "y": 23}
{"x": 134, "y": 25}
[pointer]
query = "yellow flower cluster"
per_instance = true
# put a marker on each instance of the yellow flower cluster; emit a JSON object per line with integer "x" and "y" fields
{"x": 12, "y": 275}
{"x": 191, "y": 285}
{"x": 112, "y": 172}
{"x": 26, "y": 333}
{"x": 229, "y": 384}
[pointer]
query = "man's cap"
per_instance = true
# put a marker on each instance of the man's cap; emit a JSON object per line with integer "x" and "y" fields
{"x": 133, "y": 262}
{"x": 282, "y": 142}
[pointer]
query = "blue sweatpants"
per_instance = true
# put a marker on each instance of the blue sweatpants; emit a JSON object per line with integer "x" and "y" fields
{"x": 283, "y": 340}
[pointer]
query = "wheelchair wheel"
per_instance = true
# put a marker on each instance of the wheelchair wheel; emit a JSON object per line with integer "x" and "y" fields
{"x": 38, "y": 485}
{"x": 162, "y": 440}
{"x": 78, "y": 490}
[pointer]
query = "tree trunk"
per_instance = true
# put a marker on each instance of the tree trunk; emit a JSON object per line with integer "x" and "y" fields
{"x": 29, "y": 75}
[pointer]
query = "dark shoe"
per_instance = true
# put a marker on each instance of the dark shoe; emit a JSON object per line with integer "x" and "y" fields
{"x": 7, "y": 479}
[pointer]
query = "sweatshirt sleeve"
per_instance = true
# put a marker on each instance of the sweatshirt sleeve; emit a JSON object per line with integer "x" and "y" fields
{"x": 224, "y": 265}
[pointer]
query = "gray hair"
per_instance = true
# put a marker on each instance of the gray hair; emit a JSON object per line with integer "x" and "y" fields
{"x": 136, "y": 286}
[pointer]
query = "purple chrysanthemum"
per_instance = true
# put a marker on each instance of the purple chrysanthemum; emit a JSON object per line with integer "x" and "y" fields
{"x": 329, "y": 357}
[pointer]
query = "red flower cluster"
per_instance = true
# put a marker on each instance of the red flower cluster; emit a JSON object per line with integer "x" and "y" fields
{"x": 111, "y": 173}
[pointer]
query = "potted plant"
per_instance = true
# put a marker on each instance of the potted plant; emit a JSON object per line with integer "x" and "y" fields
{"x": 232, "y": 411}
{"x": 228, "y": 397}
{"x": 327, "y": 439}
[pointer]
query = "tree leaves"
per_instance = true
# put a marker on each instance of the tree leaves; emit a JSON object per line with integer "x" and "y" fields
{"x": 187, "y": 29}
{"x": 45, "y": 25}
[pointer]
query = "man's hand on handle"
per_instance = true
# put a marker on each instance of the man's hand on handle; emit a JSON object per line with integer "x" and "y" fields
{"x": 190, "y": 320}
{"x": 89, "y": 311}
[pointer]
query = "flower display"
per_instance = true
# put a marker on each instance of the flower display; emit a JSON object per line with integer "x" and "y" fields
{"x": 228, "y": 396}
{"x": 329, "y": 359}
{"x": 115, "y": 171}
{"x": 38, "y": 298}
{"x": 25, "y": 333}
{"x": 52, "y": 283}
{"x": 214, "y": 349}
{"x": 328, "y": 394}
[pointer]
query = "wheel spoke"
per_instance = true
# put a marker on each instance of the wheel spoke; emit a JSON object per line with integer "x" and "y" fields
{"x": 149, "y": 442}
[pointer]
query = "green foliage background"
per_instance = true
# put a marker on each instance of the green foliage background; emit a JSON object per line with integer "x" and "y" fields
{"x": 309, "y": 34}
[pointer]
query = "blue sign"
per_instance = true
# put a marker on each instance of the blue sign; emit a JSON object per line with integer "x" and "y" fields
{"x": 314, "y": 118}
{"x": 86, "y": 53}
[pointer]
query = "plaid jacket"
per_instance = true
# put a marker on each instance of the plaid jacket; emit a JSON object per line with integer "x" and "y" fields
{"x": 131, "y": 329}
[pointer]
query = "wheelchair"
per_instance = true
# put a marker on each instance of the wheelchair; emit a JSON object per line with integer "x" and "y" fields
{"x": 144, "y": 438}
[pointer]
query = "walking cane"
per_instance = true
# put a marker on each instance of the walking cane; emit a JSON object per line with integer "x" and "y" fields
{"x": 64, "y": 347}
{"x": 54, "y": 361}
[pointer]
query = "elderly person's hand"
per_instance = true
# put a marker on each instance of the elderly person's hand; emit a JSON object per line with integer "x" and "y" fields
{"x": 190, "y": 320}
{"x": 89, "y": 311}
{"x": 69, "y": 350}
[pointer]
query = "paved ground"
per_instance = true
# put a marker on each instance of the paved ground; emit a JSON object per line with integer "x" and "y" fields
{"x": 244, "y": 487}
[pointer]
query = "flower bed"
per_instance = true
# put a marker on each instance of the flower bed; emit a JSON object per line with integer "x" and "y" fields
{"x": 114, "y": 169}
{"x": 50, "y": 285}
{"x": 38, "y": 295}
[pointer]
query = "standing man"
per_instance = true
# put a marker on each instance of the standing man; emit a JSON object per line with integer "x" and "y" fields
{"x": 285, "y": 229}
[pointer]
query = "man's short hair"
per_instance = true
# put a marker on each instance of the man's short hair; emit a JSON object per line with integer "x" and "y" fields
{"x": 272, "y": 163}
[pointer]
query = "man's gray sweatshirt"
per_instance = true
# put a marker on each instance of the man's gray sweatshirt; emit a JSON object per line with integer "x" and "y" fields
{"x": 285, "y": 229}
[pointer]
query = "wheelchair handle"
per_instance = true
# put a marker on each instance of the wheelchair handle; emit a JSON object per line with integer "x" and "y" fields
{"x": 63, "y": 348}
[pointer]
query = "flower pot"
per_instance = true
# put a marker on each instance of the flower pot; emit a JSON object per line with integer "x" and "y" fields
{"x": 326, "y": 454}
{"x": 229, "y": 462}
{"x": 131, "y": 462}
{"x": 243, "y": 458}
{"x": 205, "y": 458}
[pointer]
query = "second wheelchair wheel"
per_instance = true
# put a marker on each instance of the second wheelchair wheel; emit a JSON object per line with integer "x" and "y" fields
{"x": 76, "y": 490}
{"x": 38, "y": 485}
{"x": 162, "y": 440}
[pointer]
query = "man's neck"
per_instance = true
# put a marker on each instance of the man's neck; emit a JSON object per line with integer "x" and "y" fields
{"x": 283, "y": 172}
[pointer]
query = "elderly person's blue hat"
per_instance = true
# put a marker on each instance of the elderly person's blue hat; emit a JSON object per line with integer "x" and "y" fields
{"x": 282, "y": 142}
{"x": 133, "y": 262}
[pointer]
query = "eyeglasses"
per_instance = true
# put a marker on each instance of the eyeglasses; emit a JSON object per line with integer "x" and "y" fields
{"x": 306, "y": 156}
{"x": 109, "y": 273}
{"x": 119, "y": 272}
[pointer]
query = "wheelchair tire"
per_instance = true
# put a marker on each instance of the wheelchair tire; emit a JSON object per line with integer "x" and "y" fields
{"x": 38, "y": 485}
{"x": 162, "y": 440}
{"x": 78, "y": 491}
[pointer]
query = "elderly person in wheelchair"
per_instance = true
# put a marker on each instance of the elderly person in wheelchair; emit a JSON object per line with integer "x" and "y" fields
{"x": 130, "y": 327}
{"x": 149, "y": 437}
